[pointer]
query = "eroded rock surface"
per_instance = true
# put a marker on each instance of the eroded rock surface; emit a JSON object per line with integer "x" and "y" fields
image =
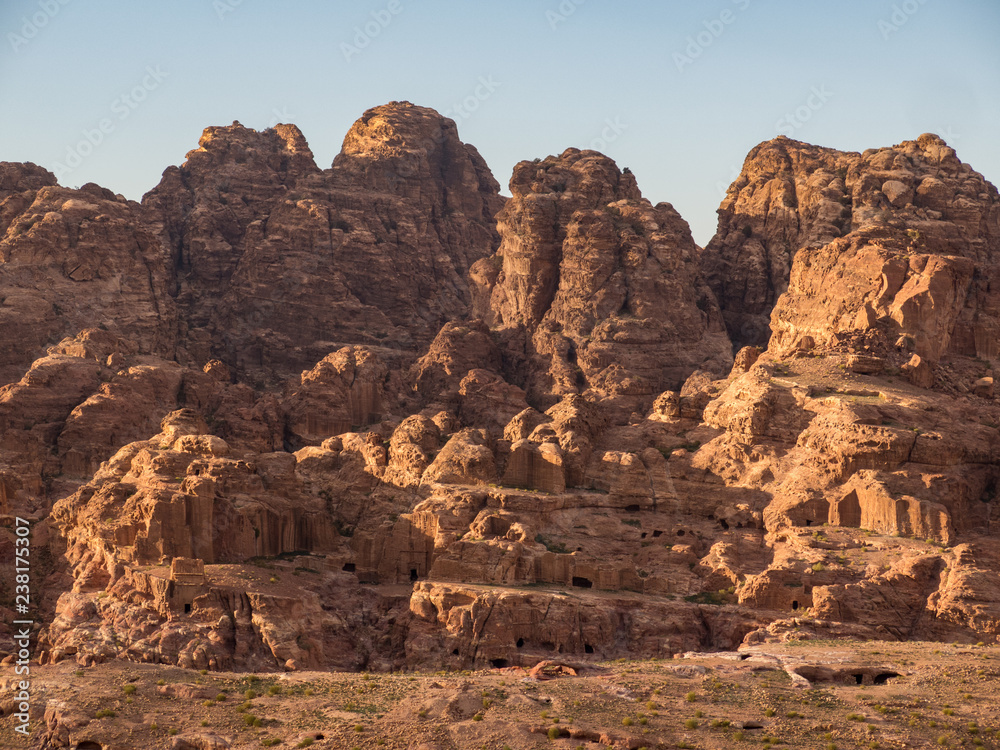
{"x": 284, "y": 418}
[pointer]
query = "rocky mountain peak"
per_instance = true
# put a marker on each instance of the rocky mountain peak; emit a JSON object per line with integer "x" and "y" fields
{"x": 18, "y": 177}
{"x": 416, "y": 153}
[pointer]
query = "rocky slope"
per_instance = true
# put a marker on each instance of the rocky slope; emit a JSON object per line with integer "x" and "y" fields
{"x": 861, "y": 243}
{"x": 282, "y": 418}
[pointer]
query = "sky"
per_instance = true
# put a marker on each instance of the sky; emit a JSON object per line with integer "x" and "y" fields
{"x": 115, "y": 91}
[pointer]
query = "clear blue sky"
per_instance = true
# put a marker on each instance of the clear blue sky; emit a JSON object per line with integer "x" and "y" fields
{"x": 860, "y": 73}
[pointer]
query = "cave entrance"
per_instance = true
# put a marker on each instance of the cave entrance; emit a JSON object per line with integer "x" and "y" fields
{"x": 88, "y": 745}
{"x": 520, "y": 642}
{"x": 499, "y": 663}
{"x": 883, "y": 677}
{"x": 587, "y": 648}
{"x": 348, "y": 568}
{"x": 582, "y": 583}
{"x": 859, "y": 679}
{"x": 413, "y": 574}
{"x": 795, "y": 605}
{"x": 187, "y": 609}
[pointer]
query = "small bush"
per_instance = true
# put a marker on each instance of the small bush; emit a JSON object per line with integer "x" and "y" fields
{"x": 554, "y": 733}
{"x": 105, "y": 713}
{"x": 274, "y": 690}
{"x": 128, "y": 689}
{"x": 691, "y": 697}
{"x": 359, "y": 727}
{"x": 477, "y": 717}
{"x": 769, "y": 712}
{"x": 627, "y": 721}
{"x": 691, "y": 723}
{"x": 305, "y": 742}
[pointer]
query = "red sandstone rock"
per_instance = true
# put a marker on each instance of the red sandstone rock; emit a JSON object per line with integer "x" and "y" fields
{"x": 552, "y": 415}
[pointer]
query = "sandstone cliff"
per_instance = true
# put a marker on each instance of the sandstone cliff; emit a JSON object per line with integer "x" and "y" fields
{"x": 280, "y": 417}
{"x": 279, "y": 262}
{"x": 896, "y": 242}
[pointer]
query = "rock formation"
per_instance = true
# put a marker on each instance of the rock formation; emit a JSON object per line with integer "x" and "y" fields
{"x": 279, "y": 262}
{"x": 594, "y": 287}
{"x": 280, "y": 418}
{"x": 898, "y": 243}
